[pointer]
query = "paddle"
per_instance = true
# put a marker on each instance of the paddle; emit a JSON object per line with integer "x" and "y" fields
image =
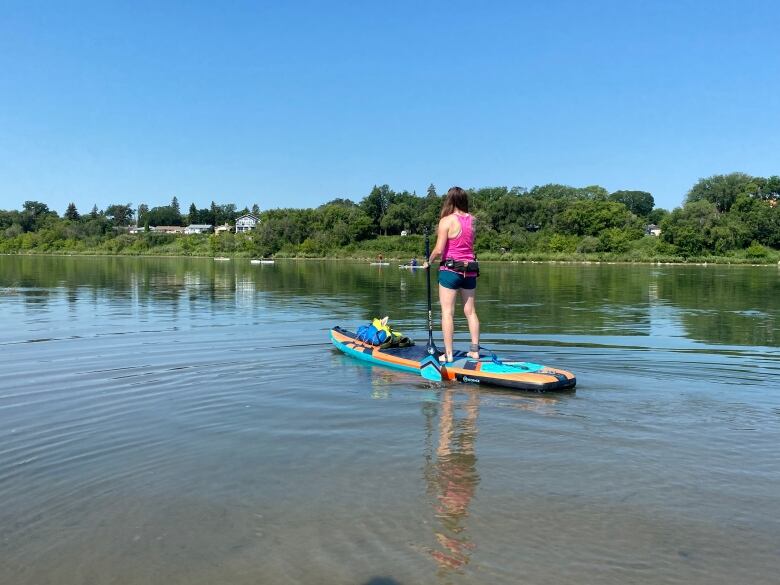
{"x": 430, "y": 368}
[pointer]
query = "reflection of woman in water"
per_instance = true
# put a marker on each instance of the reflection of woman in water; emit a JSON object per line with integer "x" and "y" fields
{"x": 452, "y": 479}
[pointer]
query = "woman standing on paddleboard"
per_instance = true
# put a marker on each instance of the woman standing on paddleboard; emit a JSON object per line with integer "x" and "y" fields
{"x": 458, "y": 270}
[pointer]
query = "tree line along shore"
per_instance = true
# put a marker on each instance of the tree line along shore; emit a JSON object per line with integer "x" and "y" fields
{"x": 733, "y": 218}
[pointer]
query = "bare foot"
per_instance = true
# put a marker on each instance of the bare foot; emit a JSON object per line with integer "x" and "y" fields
{"x": 473, "y": 355}
{"x": 444, "y": 359}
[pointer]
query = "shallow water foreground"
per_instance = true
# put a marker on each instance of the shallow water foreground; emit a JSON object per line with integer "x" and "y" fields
{"x": 184, "y": 421}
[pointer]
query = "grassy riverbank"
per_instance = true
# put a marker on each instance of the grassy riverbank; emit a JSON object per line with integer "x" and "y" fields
{"x": 398, "y": 249}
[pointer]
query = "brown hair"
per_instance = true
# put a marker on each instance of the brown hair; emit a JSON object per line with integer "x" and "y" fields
{"x": 456, "y": 198}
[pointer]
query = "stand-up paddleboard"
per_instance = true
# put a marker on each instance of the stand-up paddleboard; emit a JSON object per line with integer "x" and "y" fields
{"x": 486, "y": 370}
{"x": 379, "y": 263}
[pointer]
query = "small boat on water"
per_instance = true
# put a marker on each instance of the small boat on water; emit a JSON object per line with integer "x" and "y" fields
{"x": 261, "y": 261}
{"x": 221, "y": 258}
{"x": 379, "y": 264}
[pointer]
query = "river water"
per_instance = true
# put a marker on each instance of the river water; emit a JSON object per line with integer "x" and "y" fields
{"x": 185, "y": 421}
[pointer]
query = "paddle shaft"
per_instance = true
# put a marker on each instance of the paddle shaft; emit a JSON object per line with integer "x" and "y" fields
{"x": 431, "y": 349}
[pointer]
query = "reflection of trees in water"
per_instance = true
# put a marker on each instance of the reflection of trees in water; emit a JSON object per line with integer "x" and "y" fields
{"x": 574, "y": 299}
{"x": 177, "y": 279}
{"x": 451, "y": 476}
{"x": 716, "y": 301}
{"x": 725, "y": 305}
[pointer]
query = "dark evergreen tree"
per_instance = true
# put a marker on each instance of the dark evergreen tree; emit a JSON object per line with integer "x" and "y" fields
{"x": 72, "y": 213}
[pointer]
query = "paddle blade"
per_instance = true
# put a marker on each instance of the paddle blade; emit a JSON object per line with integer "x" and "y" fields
{"x": 430, "y": 368}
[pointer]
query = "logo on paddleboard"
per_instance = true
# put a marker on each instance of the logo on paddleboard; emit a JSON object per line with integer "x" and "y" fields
{"x": 472, "y": 380}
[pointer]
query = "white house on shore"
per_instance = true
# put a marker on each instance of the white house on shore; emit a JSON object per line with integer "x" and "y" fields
{"x": 246, "y": 223}
{"x": 653, "y": 230}
{"x": 198, "y": 228}
{"x": 223, "y": 229}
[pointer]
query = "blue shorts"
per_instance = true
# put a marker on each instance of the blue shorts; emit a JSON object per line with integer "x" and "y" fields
{"x": 455, "y": 280}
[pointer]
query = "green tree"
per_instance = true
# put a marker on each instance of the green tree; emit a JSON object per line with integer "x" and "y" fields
{"x": 657, "y": 215}
{"x": 397, "y": 219}
{"x": 175, "y": 204}
{"x": 120, "y": 214}
{"x": 72, "y": 213}
{"x": 343, "y": 221}
{"x": 228, "y": 211}
{"x": 562, "y": 243}
{"x": 555, "y": 191}
{"x": 376, "y": 203}
{"x": 143, "y": 211}
{"x": 640, "y": 203}
{"x": 34, "y": 214}
{"x": 723, "y": 190}
{"x": 761, "y": 219}
{"x": 698, "y": 228}
{"x": 589, "y": 217}
{"x": 164, "y": 215}
{"x": 36, "y": 208}
{"x": 771, "y": 189}
{"x": 614, "y": 240}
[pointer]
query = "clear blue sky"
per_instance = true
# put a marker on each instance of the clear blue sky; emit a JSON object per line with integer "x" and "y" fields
{"x": 293, "y": 104}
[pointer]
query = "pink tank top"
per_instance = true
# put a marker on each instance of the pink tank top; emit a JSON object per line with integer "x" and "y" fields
{"x": 461, "y": 247}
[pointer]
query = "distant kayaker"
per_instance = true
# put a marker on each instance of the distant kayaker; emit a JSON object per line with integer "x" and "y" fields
{"x": 458, "y": 270}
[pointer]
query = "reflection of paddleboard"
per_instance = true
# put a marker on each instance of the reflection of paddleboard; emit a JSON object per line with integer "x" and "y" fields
{"x": 486, "y": 370}
{"x": 379, "y": 264}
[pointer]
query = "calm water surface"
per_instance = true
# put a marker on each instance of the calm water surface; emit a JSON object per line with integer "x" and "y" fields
{"x": 183, "y": 421}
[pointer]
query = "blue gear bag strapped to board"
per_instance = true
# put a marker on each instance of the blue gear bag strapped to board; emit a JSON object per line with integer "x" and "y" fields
{"x": 379, "y": 333}
{"x": 371, "y": 334}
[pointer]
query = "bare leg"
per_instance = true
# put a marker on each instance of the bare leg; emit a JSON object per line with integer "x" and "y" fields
{"x": 469, "y": 296}
{"x": 447, "y": 300}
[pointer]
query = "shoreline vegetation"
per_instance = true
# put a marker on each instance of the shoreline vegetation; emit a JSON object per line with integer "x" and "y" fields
{"x": 769, "y": 260}
{"x": 508, "y": 259}
{"x": 725, "y": 219}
